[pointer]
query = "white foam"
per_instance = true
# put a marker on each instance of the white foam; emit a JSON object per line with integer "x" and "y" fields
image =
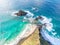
{"x": 49, "y": 26}
{"x": 25, "y": 18}
{"x": 33, "y": 8}
{"x": 47, "y": 22}
{"x": 54, "y": 41}
{"x": 31, "y": 19}
{"x": 53, "y": 29}
{"x": 29, "y": 14}
{"x": 54, "y": 33}
{"x": 13, "y": 13}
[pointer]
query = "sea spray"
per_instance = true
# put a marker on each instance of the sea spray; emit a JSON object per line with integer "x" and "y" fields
{"x": 49, "y": 33}
{"x": 48, "y": 25}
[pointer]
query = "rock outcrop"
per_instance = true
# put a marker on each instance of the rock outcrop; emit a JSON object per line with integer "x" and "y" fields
{"x": 21, "y": 13}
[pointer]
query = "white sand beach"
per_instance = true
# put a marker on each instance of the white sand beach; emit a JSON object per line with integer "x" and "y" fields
{"x": 30, "y": 28}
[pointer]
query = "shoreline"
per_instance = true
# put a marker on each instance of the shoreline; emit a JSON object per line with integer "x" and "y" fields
{"x": 23, "y": 34}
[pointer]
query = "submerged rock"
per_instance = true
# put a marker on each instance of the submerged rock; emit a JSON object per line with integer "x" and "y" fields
{"x": 39, "y": 17}
{"x": 21, "y": 13}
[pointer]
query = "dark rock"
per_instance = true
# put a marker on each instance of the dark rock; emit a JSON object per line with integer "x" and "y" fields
{"x": 42, "y": 40}
{"x": 21, "y": 13}
{"x": 39, "y": 17}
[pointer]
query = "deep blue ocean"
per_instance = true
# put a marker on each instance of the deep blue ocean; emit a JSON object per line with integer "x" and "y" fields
{"x": 48, "y": 8}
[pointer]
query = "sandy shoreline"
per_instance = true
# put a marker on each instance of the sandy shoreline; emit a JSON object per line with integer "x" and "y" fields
{"x": 27, "y": 31}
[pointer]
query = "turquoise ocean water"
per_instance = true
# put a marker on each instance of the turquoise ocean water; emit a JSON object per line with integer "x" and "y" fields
{"x": 10, "y": 27}
{"x": 48, "y": 8}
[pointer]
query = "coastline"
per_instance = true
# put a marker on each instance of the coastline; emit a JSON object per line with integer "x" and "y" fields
{"x": 23, "y": 34}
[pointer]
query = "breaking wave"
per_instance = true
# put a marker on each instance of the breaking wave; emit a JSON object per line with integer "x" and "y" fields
{"x": 49, "y": 27}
